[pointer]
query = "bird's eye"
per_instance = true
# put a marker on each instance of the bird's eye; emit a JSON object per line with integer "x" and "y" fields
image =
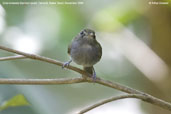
{"x": 82, "y": 33}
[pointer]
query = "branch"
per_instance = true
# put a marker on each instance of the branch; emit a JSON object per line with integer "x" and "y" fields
{"x": 137, "y": 96}
{"x": 110, "y": 100}
{"x": 147, "y": 97}
{"x": 123, "y": 88}
{"x": 12, "y": 58}
{"x": 144, "y": 96}
{"x": 41, "y": 81}
{"x": 45, "y": 59}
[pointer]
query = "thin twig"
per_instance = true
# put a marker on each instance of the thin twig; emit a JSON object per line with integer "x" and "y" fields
{"x": 116, "y": 85}
{"x": 123, "y": 88}
{"x": 147, "y": 97}
{"x": 41, "y": 81}
{"x": 45, "y": 59}
{"x": 12, "y": 58}
{"x": 137, "y": 96}
{"x": 110, "y": 100}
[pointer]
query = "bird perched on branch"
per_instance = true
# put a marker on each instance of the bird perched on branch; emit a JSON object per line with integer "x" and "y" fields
{"x": 85, "y": 50}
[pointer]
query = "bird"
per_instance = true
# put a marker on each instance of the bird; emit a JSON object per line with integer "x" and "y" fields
{"x": 85, "y": 50}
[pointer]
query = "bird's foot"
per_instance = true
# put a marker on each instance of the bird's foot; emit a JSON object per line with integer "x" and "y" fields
{"x": 66, "y": 64}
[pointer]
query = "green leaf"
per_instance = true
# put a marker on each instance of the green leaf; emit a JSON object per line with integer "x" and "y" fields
{"x": 18, "y": 100}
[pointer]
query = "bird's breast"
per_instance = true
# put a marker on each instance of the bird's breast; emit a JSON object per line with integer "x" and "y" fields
{"x": 85, "y": 54}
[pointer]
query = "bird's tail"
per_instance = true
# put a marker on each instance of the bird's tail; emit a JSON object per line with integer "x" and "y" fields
{"x": 88, "y": 70}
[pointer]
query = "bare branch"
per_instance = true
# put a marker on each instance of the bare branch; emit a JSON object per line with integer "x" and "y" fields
{"x": 12, "y": 58}
{"x": 110, "y": 100}
{"x": 123, "y": 88}
{"x": 116, "y": 85}
{"x": 144, "y": 96}
{"x": 41, "y": 81}
{"x": 45, "y": 59}
{"x": 137, "y": 96}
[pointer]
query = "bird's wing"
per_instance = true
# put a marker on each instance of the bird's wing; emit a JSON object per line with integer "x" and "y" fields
{"x": 70, "y": 45}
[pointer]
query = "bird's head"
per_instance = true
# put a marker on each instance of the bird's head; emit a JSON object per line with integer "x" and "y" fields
{"x": 88, "y": 33}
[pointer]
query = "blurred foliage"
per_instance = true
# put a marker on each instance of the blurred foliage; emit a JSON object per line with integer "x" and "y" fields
{"x": 110, "y": 19}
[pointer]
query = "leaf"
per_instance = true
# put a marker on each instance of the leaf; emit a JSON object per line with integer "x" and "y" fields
{"x": 18, "y": 100}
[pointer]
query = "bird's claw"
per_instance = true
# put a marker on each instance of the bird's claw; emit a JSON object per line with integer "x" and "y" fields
{"x": 66, "y": 64}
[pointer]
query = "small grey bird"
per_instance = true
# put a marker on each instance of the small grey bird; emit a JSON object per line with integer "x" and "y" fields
{"x": 85, "y": 50}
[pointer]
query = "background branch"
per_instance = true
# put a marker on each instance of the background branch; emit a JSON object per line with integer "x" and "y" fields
{"x": 144, "y": 96}
{"x": 41, "y": 81}
{"x": 45, "y": 59}
{"x": 138, "y": 96}
{"x": 12, "y": 58}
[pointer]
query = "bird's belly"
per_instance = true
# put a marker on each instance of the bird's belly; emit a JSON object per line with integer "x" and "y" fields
{"x": 85, "y": 55}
